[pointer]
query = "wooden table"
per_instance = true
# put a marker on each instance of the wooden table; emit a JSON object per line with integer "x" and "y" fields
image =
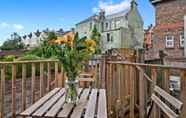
{"x": 92, "y": 103}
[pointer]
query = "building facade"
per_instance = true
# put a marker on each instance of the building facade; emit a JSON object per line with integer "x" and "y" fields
{"x": 168, "y": 33}
{"x": 119, "y": 30}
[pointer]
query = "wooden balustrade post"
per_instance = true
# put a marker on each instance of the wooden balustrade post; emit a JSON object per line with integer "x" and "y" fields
{"x": 142, "y": 94}
{"x": 166, "y": 81}
{"x": 41, "y": 79}
{"x": 49, "y": 76}
{"x": 23, "y": 94}
{"x": 109, "y": 91}
{"x": 33, "y": 82}
{"x": 56, "y": 74}
{"x": 2, "y": 91}
{"x": 156, "y": 110}
{"x": 13, "y": 90}
{"x": 132, "y": 104}
{"x": 183, "y": 92}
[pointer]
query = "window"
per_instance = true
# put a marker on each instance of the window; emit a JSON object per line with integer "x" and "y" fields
{"x": 169, "y": 41}
{"x": 108, "y": 37}
{"x": 113, "y": 25}
{"x": 106, "y": 26}
{"x": 182, "y": 40}
{"x": 118, "y": 23}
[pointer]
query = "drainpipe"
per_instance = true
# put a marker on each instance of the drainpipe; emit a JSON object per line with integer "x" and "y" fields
{"x": 184, "y": 36}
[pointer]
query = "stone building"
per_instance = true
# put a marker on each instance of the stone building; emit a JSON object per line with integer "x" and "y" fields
{"x": 119, "y": 30}
{"x": 168, "y": 33}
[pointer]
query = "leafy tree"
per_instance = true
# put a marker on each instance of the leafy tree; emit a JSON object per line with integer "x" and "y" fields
{"x": 13, "y": 43}
{"x": 97, "y": 37}
{"x": 45, "y": 50}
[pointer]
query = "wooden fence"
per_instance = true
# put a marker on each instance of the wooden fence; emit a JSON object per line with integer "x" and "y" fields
{"x": 48, "y": 73}
{"x": 130, "y": 86}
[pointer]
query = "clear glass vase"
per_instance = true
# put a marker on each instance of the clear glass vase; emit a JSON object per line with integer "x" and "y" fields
{"x": 71, "y": 91}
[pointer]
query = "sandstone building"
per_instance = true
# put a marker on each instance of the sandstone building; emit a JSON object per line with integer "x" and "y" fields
{"x": 119, "y": 30}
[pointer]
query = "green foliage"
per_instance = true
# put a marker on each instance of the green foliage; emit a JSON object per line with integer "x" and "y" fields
{"x": 97, "y": 37}
{"x": 45, "y": 50}
{"x": 13, "y": 43}
{"x": 9, "y": 58}
{"x": 73, "y": 56}
{"x": 28, "y": 57}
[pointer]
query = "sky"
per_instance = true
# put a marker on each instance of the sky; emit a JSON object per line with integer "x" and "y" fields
{"x": 25, "y": 16}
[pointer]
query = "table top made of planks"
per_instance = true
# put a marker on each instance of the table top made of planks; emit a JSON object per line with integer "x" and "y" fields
{"x": 91, "y": 104}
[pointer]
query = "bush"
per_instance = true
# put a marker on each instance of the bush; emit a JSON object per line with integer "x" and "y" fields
{"x": 28, "y": 57}
{"x": 9, "y": 58}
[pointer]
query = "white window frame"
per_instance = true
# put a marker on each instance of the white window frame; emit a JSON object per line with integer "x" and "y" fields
{"x": 182, "y": 40}
{"x": 118, "y": 23}
{"x": 169, "y": 41}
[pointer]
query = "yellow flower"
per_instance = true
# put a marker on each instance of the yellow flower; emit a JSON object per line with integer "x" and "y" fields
{"x": 91, "y": 50}
{"x": 90, "y": 43}
{"x": 60, "y": 40}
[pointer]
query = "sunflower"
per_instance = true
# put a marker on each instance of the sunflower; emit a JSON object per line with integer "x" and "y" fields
{"x": 91, "y": 50}
{"x": 90, "y": 43}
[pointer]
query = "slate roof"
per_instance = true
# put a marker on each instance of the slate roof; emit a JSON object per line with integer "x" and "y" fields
{"x": 94, "y": 17}
{"x": 158, "y": 1}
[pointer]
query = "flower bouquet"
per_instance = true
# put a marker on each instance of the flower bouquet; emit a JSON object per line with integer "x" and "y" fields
{"x": 73, "y": 52}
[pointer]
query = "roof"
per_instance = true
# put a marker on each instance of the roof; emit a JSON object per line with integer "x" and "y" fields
{"x": 154, "y": 2}
{"x": 12, "y": 52}
{"x": 119, "y": 14}
{"x": 94, "y": 17}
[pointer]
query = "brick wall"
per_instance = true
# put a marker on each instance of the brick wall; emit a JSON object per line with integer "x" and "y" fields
{"x": 169, "y": 20}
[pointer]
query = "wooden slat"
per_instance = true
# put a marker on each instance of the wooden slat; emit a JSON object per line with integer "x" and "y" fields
{"x": 91, "y": 106}
{"x": 102, "y": 104}
{"x": 172, "y": 100}
{"x": 49, "y": 76}
{"x": 142, "y": 94}
{"x": 41, "y": 79}
{"x": 56, "y": 74}
{"x": 132, "y": 91}
{"x": 166, "y": 80}
{"x": 183, "y": 92}
{"x": 85, "y": 79}
{"x": 55, "y": 109}
{"x": 13, "y": 90}
{"x": 33, "y": 82}
{"x": 67, "y": 108}
{"x": 38, "y": 104}
{"x": 2, "y": 91}
{"x": 23, "y": 95}
{"x": 156, "y": 110}
{"x": 48, "y": 104}
{"x": 81, "y": 105}
{"x": 164, "y": 107}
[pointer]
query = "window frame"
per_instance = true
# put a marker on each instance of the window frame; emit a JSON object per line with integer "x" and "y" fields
{"x": 182, "y": 39}
{"x": 167, "y": 40}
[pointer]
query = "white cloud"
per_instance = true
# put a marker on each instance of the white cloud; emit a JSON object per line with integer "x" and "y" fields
{"x": 18, "y": 27}
{"x": 111, "y": 7}
{"x": 4, "y": 25}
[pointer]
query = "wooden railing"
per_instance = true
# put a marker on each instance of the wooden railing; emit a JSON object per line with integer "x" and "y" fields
{"x": 130, "y": 86}
{"x": 50, "y": 75}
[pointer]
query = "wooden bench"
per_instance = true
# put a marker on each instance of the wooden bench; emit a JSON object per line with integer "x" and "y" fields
{"x": 85, "y": 78}
{"x": 91, "y": 104}
{"x": 167, "y": 103}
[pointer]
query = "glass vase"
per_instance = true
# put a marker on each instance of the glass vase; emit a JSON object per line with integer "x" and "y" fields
{"x": 71, "y": 91}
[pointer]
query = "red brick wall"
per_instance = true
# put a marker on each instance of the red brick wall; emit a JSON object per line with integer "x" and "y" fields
{"x": 169, "y": 20}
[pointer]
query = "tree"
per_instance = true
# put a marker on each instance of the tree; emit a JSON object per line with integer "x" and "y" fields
{"x": 97, "y": 37}
{"x": 45, "y": 50}
{"x": 14, "y": 43}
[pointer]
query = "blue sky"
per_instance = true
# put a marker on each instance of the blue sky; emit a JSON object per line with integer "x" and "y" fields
{"x": 24, "y": 16}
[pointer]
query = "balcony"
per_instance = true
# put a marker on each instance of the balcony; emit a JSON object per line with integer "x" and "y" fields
{"x": 129, "y": 86}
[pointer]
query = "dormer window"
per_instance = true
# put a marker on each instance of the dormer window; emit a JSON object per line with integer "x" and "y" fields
{"x": 169, "y": 41}
{"x": 118, "y": 24}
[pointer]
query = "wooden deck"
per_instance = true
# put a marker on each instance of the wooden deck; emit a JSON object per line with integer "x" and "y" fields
{"x": 129, "y": 86}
